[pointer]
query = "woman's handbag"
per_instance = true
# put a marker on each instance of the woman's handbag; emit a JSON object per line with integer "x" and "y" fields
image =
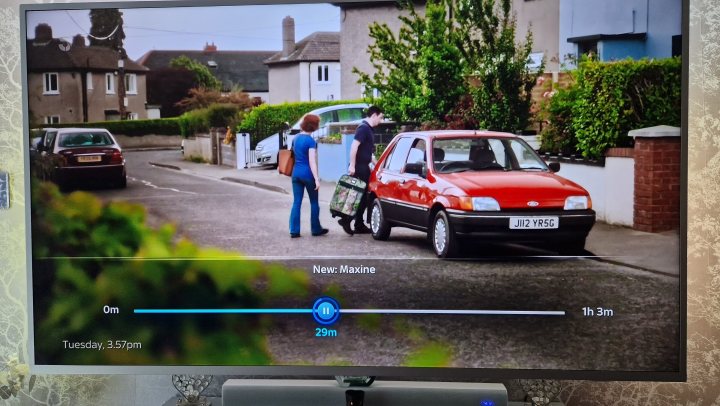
{"x": 286, "y": 162}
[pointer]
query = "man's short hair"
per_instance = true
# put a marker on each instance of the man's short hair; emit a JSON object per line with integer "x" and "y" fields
{"x": 373, "y": 110}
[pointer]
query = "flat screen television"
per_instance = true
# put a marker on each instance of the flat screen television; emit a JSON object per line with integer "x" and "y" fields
{"x": 159, "y": 241}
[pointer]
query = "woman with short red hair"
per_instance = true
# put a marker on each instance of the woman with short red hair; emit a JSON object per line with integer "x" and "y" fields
{"x": 305, "y": 177}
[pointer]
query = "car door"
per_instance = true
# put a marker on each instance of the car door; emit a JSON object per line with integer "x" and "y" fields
{"x": 414, "y": 188}
{"x": 388, "y": 176}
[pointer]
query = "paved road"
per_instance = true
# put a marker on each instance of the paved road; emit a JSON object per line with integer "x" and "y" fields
{"x": 637, "y": 327}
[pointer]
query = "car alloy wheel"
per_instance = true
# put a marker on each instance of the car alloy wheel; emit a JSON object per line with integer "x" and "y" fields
{"x": 379, "y": 227}
{"x": 443, "y": 237}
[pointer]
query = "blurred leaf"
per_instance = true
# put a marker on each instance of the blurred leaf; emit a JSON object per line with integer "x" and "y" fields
{"x": 31, "y": 384}
{"x": 430, "y": 355}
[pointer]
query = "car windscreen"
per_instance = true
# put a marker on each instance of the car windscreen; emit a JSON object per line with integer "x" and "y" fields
{"x": 84, "y": 139}
{"x": 481, "y": 154}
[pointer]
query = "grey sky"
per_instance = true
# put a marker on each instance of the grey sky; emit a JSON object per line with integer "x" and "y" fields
{"x": 189, "y": 28}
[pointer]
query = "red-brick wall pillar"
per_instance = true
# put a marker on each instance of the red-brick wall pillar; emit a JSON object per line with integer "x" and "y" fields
{"x": 657, "y": 179}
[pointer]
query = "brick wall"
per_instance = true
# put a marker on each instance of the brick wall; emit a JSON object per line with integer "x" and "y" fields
{"x": 657, "y": 184}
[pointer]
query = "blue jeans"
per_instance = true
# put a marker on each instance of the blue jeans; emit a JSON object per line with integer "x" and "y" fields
{"x": 299, "y": 185}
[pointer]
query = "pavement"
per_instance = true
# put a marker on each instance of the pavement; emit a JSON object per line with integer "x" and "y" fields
{"x": 652, "y": 252}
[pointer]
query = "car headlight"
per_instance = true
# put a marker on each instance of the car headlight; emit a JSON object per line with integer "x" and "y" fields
{"x": 577, "y": 203}
{"x": 479, "y": 204}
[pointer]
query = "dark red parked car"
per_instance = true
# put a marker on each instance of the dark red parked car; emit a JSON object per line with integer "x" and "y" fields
{"x": 480, "y": 185}
{"x": 82, "y": 156}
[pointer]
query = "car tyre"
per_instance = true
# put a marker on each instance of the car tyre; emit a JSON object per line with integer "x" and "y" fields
{"x": 378, "y": 225}
{"x": 122, "y": 183}
{"x": 444, "y": 240}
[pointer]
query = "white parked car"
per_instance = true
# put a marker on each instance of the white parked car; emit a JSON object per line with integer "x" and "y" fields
{"x": 266, "y": 151}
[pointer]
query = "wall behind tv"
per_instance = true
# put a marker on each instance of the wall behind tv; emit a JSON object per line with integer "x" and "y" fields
{"x": 702, "y": 388}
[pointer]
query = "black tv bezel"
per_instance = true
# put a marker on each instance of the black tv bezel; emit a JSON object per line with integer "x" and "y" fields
{"x": 469, "y": 374}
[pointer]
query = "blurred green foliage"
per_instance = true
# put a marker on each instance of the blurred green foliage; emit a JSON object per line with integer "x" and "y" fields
{"x": 88, "y": 254}
{"x": 433, "y": 354}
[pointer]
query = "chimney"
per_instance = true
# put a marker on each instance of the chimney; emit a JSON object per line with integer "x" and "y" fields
{"x": 43, "y": 33}
{"x": 78, "y": 41}
{"x": 288, "y": 33}
{"x": 210, "y": 48}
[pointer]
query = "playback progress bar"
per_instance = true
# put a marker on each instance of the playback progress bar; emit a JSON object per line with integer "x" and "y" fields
{"x": 327, "y": 311}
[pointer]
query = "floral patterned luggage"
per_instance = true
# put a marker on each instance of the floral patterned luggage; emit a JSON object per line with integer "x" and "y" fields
{"x": 348, "y": 194}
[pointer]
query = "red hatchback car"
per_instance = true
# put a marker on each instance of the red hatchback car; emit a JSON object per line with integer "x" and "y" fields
{"x": 481, "y": 185}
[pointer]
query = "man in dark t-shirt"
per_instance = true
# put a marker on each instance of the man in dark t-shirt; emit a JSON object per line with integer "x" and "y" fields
{"x": 362, "y": 154}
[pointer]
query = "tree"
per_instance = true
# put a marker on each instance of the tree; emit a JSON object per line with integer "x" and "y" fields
{"x": 203, "y": 76}
{"x": 167, "y": 86}
{"x": 107, "y": 29}
{"x": 199, "y": 98}
{"x": 501, "y": 99}
{"x": 419, "y": 72}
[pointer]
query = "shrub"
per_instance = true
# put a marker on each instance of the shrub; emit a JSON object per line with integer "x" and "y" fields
{"x": 132, "y": 128}
{"x": 267, "y": 119}
{"x": 216, "y": 115}
{"x": 558, "y": 135}
{"x": 103, "y": 253}
{"x": 616, "y": 97}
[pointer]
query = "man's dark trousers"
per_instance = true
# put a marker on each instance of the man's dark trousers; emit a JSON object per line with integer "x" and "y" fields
{"x": 362, "y": 172}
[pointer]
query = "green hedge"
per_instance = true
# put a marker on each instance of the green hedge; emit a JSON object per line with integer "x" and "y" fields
{"x": 216, "y": 115}
{"x": 609, "y": 99}
{"x": 614, "y": 98}
{"x": 558, "y": 136}
{"x": 132, "y": 128}
{"x": 266, "y": 119}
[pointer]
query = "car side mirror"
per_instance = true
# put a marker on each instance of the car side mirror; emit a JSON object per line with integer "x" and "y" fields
{"x": 554, "y": 166}
{"x": 419, "y": 169}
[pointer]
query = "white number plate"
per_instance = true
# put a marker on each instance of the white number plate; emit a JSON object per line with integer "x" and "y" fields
{"x": 533, "y": 223}
{"x": 96, "y": 158}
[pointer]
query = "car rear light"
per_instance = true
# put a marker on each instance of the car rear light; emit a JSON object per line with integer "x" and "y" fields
{"x": 116, "y": 157}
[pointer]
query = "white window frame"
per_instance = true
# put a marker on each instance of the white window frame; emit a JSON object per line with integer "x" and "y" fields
{"x": 88, "y": 80}
{"x": 52, "y": 119}
{"x": 130, "y": 83}
{"x": 46, "y": 83}
{"x": 133, "y": 116}
{"x": 109, "y": 83}
{"x": 324, "y": 70}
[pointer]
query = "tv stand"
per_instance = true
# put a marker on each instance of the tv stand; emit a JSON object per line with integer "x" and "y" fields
{"x": 290, "y": 392}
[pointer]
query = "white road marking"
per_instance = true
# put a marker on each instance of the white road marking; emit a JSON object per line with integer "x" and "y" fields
{"x": 150, "y": 184}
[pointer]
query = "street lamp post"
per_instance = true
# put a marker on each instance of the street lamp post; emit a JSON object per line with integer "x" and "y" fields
{"x": 121, "y": 88}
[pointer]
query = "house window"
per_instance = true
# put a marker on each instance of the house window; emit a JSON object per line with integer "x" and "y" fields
{"x": 52, "y": 120}
{"x": 109, "y": 83}
{"x": 131, "y": 83}
{"x": 323, "y": 73}
{"x": 50, "y": 84}
{"x": 88, "y": 80}
{"x": 133, "y": 116}
{"x": 588, "y": 48}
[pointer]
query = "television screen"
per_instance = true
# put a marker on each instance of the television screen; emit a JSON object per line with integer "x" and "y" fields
{"x": 474, "y": 192}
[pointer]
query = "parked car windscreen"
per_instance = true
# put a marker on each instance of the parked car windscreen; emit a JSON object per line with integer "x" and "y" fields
{"x": 84, "y": 139}
{"x": 480, "y": 154}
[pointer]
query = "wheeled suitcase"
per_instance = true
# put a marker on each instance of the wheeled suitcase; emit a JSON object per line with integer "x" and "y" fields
{"x": 347, "y": 197}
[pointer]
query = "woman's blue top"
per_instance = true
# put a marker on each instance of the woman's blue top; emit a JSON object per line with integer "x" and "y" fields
{"x": 301, "y": 147}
